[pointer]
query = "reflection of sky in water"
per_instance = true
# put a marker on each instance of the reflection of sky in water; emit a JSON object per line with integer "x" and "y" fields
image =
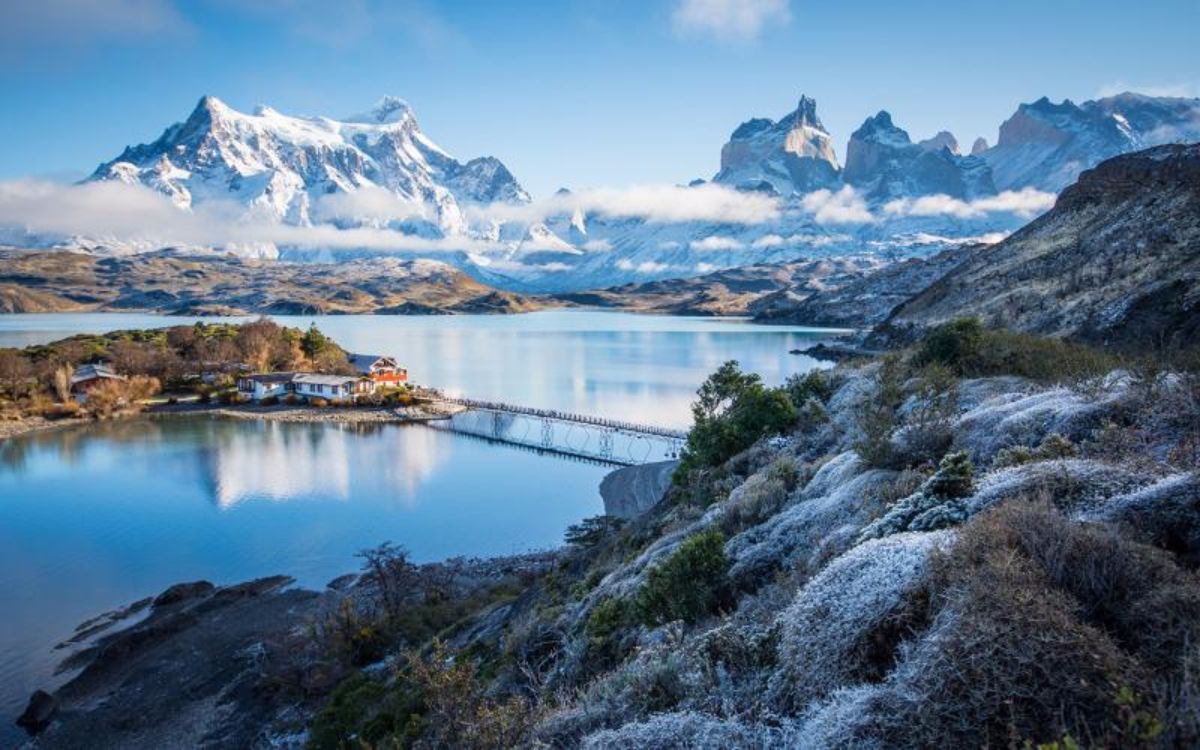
{"x": 94, "y": 518}
{"x": 101, "y": 516}
{"x": 641, "y": 368}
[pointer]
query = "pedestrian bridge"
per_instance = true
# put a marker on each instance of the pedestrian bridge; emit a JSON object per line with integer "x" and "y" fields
{"x": 584, "y": 436}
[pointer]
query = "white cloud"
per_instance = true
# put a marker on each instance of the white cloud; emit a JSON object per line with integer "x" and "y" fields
{"x": 597, "y": 246}
{"x": 846, "y": 206}
{"x": 669, "y": 245}
{"x": 769, "y": 240}
{"x": 716, "y": 243}
{"x": 705, "y": 268}
{"x": 370, "y": 204}
{"x": 1025, "y": 203}
{"x": 1182, "y": 89}
{"x": 729, "y": 20}
{"x": 653, "y": 203}
{"x": 72, "y": 25}
{"x": 645, "y": 267}
{"x": 117, "y": 212}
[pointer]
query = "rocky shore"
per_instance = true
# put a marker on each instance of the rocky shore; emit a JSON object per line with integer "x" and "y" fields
{"x": 238, "y": 666}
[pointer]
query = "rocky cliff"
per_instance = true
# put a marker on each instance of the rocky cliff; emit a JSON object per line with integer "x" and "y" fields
{"x": 1117, "y": 261}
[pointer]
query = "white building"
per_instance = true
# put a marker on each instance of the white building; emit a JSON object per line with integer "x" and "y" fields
{"x": 311, "y": 385}
{"x": 258, "y": 387}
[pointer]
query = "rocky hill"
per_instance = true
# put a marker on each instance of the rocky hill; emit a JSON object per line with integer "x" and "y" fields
{"x": 862, "y": 302}
{"x": 1117, "y": 261}
{"x": 189, "y": 284}
{"x": 735, "y": 291}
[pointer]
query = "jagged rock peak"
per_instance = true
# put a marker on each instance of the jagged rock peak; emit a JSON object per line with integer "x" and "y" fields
{"x": 880, "y": 128}
{"x": 806, "y": 113}
{"x": 389, "y": 109}
{"x": 979, "y": 146}
{"x": 792, "y": 154}
{"x": 943, "y": 140}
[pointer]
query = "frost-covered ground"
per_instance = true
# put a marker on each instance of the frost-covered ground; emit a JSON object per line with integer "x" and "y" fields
{"x": 851, "y": 624}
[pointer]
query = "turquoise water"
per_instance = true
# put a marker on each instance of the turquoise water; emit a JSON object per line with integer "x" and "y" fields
{"x": 97, "y": 517}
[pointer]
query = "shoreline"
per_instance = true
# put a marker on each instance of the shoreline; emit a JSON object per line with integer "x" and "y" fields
{"x": 417, "y": 413}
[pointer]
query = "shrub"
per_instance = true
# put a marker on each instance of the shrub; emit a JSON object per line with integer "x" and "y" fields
{"x": 1053, "y": 446}
{"x": 759, "y": 498}
{"x": 1048, "y": 628}
{"x": 954, "y": 477}
{"x": 318, "y": 402}
{"x": 592, "y": 531}
{"x": 269, "y": 401}
{"x": 956, "y": 345}
{"x": 972, "y": 351}
{"x": 111, "y": 396}
{"x": 733, "y": 410}
{"x": 877, "y": 416}
{"x": 815, "y": 385}
{"x": 604, "y": 631}
{"x": 291, "y": 399}
{"x": 689, "y": 584}
{"x": 928, "y": 430}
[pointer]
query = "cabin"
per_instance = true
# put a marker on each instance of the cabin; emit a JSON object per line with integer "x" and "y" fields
{"x": 258, "y": 387}
{"x": 382, "y": 370}
{"x": 87, "y": 377}
{"x": 312, "y": 385}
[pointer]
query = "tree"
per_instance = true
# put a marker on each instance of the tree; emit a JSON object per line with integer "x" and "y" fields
{"x": 62, "y": 383}
{"x": 15, "y": 372}
{"x": 733, "y": 409}
{"x": 313, "y": 343}
{"x": 112, "y": 396}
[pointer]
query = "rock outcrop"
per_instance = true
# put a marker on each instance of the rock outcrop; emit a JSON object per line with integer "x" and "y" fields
{"x": 884, "y": 163}
{"x": 1116, "y": 261}
{"x": 792, "y": 155}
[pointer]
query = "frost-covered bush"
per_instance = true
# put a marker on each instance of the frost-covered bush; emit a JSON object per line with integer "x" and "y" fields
{"x": 1167, "y": 513}
{"x": 820, "y": 522}
{"x": 1040, "y": 627}
{"x": 1071, "y": 484}
{"x": 846, "y": 622}
{"x": 755, "y": 501}
{"x": 1025, "y": 419}
{"x": 1052, "y": 446}
{"x": 689, "y": 730}
{"x": 877, "y": 416}
{"x": 689, "y": 584}
{"x": 937, "y": 505}
{"x": 954, "y": 478}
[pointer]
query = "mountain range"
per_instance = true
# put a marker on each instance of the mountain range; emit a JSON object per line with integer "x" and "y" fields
{"x": 893, "y": 197}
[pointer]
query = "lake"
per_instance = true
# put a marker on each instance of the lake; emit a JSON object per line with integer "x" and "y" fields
{"x": 97, "y": 517}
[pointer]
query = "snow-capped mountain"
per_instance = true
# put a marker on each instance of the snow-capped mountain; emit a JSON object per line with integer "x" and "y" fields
{"x": 884, "y": 164}
{"x": 287, "y": 167}
{"x": 1046, "y": 145}
{"x": 893, "y": 197}
{"x": 792, "y": 154}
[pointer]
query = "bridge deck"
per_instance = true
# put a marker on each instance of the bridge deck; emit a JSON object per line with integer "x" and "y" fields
{"x": 561, "y": 416}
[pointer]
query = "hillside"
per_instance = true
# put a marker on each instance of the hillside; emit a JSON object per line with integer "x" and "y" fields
{"x": 735, "y": 291}
{"x": 190, "y": 284}
{"x": 1116, "y": 261}
{"x": 862, "y": 302}
{"x": 926, "y": 551}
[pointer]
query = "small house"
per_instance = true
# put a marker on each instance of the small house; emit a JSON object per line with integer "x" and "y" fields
{"x": 258, "y": 387}
{"x": 382, "y": 370}
{"x": 313, "y": 385}
{"x": 87, "y": 377}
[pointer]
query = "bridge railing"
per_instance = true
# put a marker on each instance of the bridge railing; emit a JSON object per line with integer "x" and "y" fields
{"x": 562, "y": 416}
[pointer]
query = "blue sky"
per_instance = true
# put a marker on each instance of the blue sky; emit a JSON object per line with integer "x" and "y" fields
{"x": 580, "y": 93}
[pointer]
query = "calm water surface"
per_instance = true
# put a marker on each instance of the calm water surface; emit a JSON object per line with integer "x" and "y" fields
{"x": 97, "y": 517}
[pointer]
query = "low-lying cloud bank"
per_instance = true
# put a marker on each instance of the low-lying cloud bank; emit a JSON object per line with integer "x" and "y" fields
{"x": 655, "y": 204}
{"x": 121, "y": 213}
